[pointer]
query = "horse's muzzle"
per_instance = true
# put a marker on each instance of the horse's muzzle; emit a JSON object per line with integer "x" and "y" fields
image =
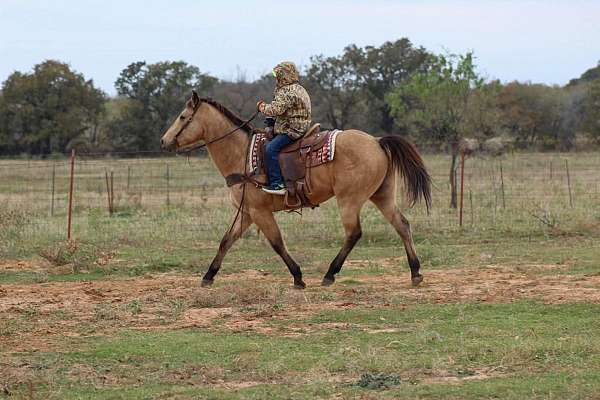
{"x": 167, "y": 146}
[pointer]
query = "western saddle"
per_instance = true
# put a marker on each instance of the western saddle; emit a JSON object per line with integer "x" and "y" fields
{"x": 295, "y": 161}
{"x": 316, "y": 147}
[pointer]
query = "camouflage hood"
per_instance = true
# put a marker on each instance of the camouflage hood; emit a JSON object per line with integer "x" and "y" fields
{"x": 286, "y": 73}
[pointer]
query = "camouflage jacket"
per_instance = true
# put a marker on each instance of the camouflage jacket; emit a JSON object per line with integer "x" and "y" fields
{"x": 291, "y": 103}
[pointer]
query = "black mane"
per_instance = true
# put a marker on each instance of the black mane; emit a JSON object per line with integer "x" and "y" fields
{"x": 233, "y": 117}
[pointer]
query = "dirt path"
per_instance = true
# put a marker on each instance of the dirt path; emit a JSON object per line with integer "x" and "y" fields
{"x": 39, "y": 316}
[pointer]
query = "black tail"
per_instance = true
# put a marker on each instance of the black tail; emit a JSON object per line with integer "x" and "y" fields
{"x": 405, "y": 158}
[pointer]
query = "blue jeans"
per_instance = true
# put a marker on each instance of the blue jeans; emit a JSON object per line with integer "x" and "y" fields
{"x": 272, "y": 151}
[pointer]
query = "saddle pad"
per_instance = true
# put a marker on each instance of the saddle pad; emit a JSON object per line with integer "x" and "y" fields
{"x": 318, "y": 157}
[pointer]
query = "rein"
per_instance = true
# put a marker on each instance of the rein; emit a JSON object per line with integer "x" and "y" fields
{"x": 239, "y": 212}
{"x": 199, "y": 146}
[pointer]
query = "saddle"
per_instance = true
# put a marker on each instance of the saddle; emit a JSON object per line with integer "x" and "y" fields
{"x": 316, "y": 147}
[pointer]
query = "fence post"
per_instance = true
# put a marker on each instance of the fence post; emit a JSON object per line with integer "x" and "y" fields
{"x": 569, "y": 183}
{"x": 112, "y": 192}
{"x": 70, "y": 212}
{"x": 471, "y": 205}
{"x": 128, "y": 176}
{"x": 168, "y": 186}
{"x": 502, "y": 186}
{"x": 462, "y": 181}
{"x": 108, "y": 199}
{"x": 53, "y": 180}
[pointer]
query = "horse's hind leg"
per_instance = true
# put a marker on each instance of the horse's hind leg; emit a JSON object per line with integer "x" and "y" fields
{"x": 240, "y": 225}
{"x": 350, "y": 213}
{"x": 385, "y": 200}
{"x": 268, "y": 225}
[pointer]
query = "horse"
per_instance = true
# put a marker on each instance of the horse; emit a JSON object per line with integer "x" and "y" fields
{"x": 364, "y": 169}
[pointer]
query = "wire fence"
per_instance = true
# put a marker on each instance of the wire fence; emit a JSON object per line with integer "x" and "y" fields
{"x": 43, "y": 185}
{"x": 531, "y": 188}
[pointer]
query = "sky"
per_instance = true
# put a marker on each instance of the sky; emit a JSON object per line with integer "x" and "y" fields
{"x": 549, "y": 41}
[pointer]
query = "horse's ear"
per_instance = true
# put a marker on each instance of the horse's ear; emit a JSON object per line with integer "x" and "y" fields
{"x": 195, "y": 98}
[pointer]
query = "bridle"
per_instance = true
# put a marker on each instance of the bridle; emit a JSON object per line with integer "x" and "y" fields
{"x": 199, "y": 146}
{"x": 239, "y": 212}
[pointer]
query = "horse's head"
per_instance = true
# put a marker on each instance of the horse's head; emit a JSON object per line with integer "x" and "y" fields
{"x": 186, "y": 131}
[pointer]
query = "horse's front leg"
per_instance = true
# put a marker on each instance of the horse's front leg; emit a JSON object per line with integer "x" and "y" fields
{"x": 242, "y": 222}
{"x": 265, "y": 220}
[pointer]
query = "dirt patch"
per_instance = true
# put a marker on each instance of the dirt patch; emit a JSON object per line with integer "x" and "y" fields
{"x": 202, "y": 317}
{"x": 476, "y": 374}
{"x": 40, "y": 316}
{"x": 500, "y": 284}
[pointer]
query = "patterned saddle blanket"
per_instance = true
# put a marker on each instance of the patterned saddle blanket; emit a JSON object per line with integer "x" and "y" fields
{"x": 295, "y": 160}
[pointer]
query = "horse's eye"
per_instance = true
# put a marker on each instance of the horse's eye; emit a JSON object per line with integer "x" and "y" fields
{"x": 181, "y": 117}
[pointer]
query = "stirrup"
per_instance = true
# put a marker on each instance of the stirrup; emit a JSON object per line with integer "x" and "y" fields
{"x": 281, "y": 191}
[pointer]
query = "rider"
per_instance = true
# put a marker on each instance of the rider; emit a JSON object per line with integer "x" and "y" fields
{"x": 291, "y": 107}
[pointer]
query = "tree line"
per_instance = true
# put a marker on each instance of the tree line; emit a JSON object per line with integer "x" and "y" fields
{"x": 396, "y": 88}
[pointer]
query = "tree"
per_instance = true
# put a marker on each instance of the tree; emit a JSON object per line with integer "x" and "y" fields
{"x": 591, "y": 111}
{"x": 334, "y": 84}
{"x": 539, "y": 114}
{"x": 241, "y": 95}
{"x": 588, "y": 76}
{"x": 380, "y": 70}
{"x": 572, "y": 112}
{"x": 351, "y": 89}
{"x": 438, "y": 103}
{"x": 154, "y": 94}
{"x": 44, "y": 111}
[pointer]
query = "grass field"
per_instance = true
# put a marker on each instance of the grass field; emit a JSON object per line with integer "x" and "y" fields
{"x": 509, "y": 307}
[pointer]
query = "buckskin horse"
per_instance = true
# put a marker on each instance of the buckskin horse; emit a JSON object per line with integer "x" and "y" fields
{"x": 364, "y": 168}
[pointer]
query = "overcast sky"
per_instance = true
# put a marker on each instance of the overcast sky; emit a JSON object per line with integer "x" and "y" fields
{"x": 547, "y": 41}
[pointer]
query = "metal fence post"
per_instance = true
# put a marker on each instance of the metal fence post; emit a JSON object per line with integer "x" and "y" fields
{"x": 71, "y": 194}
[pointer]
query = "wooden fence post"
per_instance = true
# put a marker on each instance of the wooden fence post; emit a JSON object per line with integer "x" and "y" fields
{"x": 471, "y": 205}
{"x": 168, "y": 186}
{"x": 569, "y": 183}
{"x": 128, "y": 176}
{"x": 53, "y": 181}
{"x": 502, "y": 186}
{"x": 108, "y": 195}
{"x": 462, "y": 182}
{"x": 112, "y": 191}
{"x": 70, "y": 211}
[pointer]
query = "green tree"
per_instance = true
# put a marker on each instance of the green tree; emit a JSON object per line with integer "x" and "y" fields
{"x": 590, "y": 75}
{"x": 591, "y": 111}
{"x": 438, "y": 103}
{"x": 351, "y": 89}
{"x": 380, "y": 70}
{"x": 154, "y": 94}
{"x": 336, "y": 90}
{"x": 46, "y": 110}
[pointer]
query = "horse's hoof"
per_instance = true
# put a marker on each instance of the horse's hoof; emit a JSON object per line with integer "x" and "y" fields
{"x": 416, "y": 280}
{"x": 299, "y": 285}
{"x": 206, "y": 282}
{"x": 327, "y": 281}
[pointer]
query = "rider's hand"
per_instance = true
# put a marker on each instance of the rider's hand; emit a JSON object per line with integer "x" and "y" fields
{"x": 259, "y": 105}
{"x": 270, "y": 132}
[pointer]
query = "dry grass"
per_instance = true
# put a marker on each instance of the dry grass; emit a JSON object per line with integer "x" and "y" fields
{"x": 507, "y": 304}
